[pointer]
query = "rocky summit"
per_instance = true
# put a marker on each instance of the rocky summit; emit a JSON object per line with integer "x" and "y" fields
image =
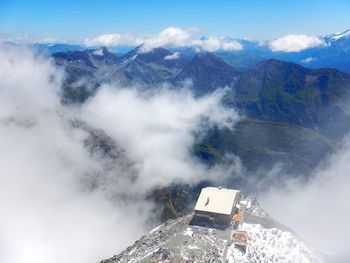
{"x": 180, "y": 240}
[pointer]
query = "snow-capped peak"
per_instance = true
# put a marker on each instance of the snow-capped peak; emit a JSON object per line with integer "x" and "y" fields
{"x": 98, "y": 52}
{"x": 338, "y": 36}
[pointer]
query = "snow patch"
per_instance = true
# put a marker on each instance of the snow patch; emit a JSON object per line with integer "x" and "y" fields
{"x": 188, "y": 232}
{"x": 173, "y": 56}
{"x": 130, "y": 59}
{"x": 273, "y": 246}
{"x": 308, "y": 60}
{"x": 98, "y": 52}
{"x": 338, "y": 36}
{"x": 155, "y": 229}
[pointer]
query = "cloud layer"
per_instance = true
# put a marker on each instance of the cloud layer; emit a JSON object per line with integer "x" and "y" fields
{"x": 295, "y": 43}
{"x": 62, "y": 198}
{"x": 157, "y": 129}
{"x": 169, "y": 37}
{"x": 114, "y": 40}
{"x": 175, "y": 37}
{"x": 48, "y": 214}
{"x": 318, "y": 210}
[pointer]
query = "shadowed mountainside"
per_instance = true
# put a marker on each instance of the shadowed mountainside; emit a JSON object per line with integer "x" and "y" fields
{"x": 293, "y": 115}
{"x": 275, "y": 92}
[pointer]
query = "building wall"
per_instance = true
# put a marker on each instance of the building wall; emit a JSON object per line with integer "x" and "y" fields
{"x": 211, "y": 218}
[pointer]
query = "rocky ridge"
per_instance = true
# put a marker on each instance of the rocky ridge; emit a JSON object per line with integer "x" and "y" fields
{"x": 180, "y": 241}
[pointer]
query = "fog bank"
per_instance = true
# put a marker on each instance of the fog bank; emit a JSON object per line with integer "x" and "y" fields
{"x": 62, "y": 199}
{"x": 319, "y": 209}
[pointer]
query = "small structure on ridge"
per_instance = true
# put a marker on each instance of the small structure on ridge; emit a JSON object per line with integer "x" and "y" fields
{"x": 240, "y": 239}
{"x": 216, "y": 206}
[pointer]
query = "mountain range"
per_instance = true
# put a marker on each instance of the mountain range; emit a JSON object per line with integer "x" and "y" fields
{"x": 273, "y": 91}
{"x": 333, "y": 53}
{"x": 293, "y": 116}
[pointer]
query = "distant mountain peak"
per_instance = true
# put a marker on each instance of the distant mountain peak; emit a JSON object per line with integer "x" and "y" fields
{"x": 338, "y": 36}
{"x": 102, "y": 51}
{"x": 156, "y": 53}
{"x": 278, "y": 63}
{"x": 208, "y": 72}
{"x": 208, "y": 58}
{"x": 206, "y": 54}
{"x": 98, "y": 52}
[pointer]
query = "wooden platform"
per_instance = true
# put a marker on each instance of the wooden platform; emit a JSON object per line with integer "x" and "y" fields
{"x": 240, "y": 239}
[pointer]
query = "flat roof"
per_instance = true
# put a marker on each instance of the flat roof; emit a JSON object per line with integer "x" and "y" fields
{"x": 216, "y": 200}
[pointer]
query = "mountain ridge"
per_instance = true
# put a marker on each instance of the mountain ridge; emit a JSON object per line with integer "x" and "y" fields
{"x": 334, "y": 53}
{"x": 181, "y": 241}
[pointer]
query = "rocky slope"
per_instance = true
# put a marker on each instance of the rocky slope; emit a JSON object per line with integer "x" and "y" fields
{"x": 180, "y": 241}
{"x": 208, "y": 72}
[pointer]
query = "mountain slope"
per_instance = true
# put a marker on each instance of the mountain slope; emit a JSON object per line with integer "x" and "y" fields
{"x": 335, "y": 54}
{"x": 180, "y": 241}
{"x": 286, "y": 92}
{"x": 146, "y": 68}
{"x": 93, "y": 58}
{"x": 208, "y": 72}
{"x": 155, "y": 56}
{"x": 262, "y": 144}
{"x": 241, "y": 62}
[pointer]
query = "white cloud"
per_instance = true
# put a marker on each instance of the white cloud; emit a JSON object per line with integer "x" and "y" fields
{"x": 295, "y": 43}
{"x": 212, "y": 44}
{"x": 231, "y": 45}
{"x": 62, "y": 202}
{"x": 98, "y": 52}
{"x": 29, "y": 40}
{"x": 17, "y": 88}
{"x": 169, "y": 37}
{"x": 4, "y": 37}
{"x": 308, "y": 60}
{"x": 114, "y": 40}
{"x": 48, "y": 213}
{"x": 319, "y": 209}
{"x": 158, "y": 129}
{"x": 172, "y": 56}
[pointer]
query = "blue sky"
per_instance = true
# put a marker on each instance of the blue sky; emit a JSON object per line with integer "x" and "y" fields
{"x": 255, "y": 19}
